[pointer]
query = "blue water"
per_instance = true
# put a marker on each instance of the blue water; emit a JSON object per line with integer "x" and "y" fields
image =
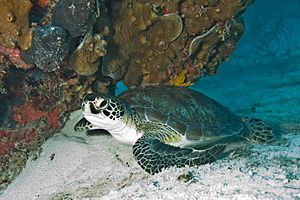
{"x": 263, "y": 74}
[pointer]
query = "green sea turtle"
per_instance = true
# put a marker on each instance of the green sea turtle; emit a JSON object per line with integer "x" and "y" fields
{"x": 170, "y": 126}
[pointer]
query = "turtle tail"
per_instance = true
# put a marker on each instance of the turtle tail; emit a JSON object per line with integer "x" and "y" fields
{"x": 256, "y": 130}
{"x": 153, "y": 155}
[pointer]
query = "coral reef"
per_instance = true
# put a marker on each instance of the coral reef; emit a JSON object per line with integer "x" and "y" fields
{"x": 77, "y": 17}
{"x": 14, "y": 26}
{"x": 28, "y": 113}
{"x": 38, "y": 101}
{"x": 49, "y": 47}
{"x": 42, "y": 3}
{"x": 2, "y": 88}
{"x": 8, "y": 139}
{"x": 85, "y": 60}
{"x": 130, "y": 17}
{"x": 54, "y": 52}
{"x": 16, "y": 146}
{"x": 155, "y": 48}
{"x": 13, "y": 56}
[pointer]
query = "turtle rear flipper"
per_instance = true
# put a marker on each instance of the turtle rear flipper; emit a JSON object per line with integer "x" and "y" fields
{"x": 256, "y": 130}
{"x": 153, "y": 155}
{"x": 83, "y": 125}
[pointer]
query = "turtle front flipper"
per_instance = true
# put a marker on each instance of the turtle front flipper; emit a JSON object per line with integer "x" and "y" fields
{"x": 153, "y": 155}
{"x": 83, "y": 125}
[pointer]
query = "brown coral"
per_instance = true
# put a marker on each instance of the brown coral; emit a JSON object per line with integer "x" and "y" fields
{"x": 146, "y": 36}
{"x": 151, "y": 51}
{"x": 130, "y": 18}
{"x": 14, "y": 25}
{"x": 154, "y": 47}
{"x": 86, "y": 58}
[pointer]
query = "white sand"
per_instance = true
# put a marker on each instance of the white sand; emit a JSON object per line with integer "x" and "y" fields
{"x": 97, "y": 167}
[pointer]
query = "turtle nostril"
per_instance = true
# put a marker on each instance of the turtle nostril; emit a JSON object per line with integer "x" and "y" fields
{"x": 94, "y": 110}
{"x": 83, "y": 105}
{"x": 90, "y": 97}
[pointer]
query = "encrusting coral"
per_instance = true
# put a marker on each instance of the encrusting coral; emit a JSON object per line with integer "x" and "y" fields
{"x": 14, "y": 23}
{"x": 130, "y": 17}
{"x": 42, "y": 3}
{"x": 85, "y": 60}
{"x": 13, "y": 56}
{"x": 156, "y": 47}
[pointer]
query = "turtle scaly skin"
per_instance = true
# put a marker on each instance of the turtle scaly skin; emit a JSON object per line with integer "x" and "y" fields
{"x": 163, "y": 129}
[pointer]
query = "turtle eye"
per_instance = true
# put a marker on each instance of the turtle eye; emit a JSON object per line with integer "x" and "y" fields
{"x": 103, "y": 104}
{"x": 90, "y": 97}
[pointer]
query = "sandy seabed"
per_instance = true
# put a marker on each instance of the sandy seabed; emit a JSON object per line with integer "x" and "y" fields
{"x": 76, "y": 166}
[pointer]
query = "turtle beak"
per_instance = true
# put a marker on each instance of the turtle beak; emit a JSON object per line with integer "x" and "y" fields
{"x": 85, "y": 107}
{"x": 93, "y": 108}
{"x": 89, "y": 107}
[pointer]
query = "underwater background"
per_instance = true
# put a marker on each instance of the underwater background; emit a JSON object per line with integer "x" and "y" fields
{"x": 263, "y": 75}
{"x": 261, "y": 79}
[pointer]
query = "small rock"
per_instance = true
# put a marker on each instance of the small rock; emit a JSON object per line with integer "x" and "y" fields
{"x": 48, "y": 48}
{"x": 251, "y": 173}
{"x": 285, "y": 181}
{"x": 77, "y": 17}
{"x": 188, "y": 177}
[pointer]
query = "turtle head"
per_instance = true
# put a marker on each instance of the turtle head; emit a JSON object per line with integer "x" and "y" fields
{"x": 103, "y": 111}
